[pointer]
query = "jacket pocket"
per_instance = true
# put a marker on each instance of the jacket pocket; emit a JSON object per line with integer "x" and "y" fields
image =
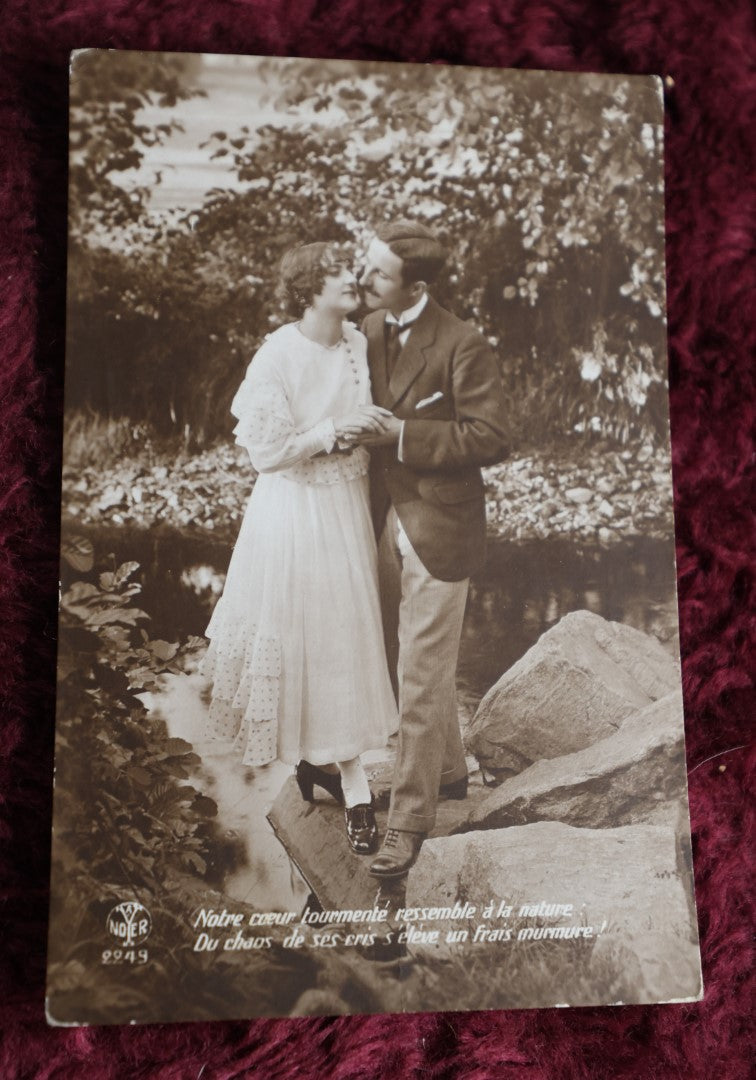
{"x": 440, "y": 409}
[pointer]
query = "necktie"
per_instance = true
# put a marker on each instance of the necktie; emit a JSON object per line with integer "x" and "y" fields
{"x": 394, "y": 344}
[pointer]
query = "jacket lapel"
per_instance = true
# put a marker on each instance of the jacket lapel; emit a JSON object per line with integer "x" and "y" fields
{"x": 377, "y": 360}
{"x": 411, "y": 359}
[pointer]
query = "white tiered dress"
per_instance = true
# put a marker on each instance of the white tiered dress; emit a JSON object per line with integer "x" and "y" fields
{"x": 296, "y": 649}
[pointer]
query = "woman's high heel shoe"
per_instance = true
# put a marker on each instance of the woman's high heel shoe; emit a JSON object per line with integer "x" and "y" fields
{"x": 361, "y": 828}
{"x": 308, "y": 775}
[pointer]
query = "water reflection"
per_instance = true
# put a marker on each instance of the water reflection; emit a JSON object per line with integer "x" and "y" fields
{"x": 527, "y": 588}
{"x": 524, "y": 589}
{"x": 261, "y": 874}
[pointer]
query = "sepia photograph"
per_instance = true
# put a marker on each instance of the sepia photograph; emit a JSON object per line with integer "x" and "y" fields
{"x": 369, "y": 690}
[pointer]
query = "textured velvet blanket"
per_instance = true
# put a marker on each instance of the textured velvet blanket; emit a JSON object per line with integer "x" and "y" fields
{"x": 707, "y": 51}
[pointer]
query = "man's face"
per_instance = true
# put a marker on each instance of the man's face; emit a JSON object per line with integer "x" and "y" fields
{"x": 381, "y": 280}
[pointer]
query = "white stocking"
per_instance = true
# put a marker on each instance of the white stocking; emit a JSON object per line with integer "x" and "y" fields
{"x": 354, "y": 782}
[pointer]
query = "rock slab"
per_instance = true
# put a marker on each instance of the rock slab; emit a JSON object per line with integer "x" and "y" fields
{"x": 574, "y": 687}
{"x": 624, "y": 883}
{"x": 314, "y": 836}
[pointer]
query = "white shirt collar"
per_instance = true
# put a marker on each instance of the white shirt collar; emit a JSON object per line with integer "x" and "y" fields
{"x": 410, "y": 313}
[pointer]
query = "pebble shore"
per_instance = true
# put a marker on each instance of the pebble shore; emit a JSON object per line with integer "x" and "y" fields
{"x": 581, "y": 492}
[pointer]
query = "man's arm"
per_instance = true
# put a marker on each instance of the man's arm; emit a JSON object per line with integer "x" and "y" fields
{"x": 477, "y": 436}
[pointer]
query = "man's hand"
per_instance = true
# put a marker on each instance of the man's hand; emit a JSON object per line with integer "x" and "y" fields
{"x": 388, "y": 437}
{"x": 366, "y": 420}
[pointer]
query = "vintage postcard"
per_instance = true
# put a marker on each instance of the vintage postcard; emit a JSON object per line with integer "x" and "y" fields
{"x": 369, "y": 681}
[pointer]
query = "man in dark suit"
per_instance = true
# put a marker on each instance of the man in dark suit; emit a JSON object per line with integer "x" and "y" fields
{"x": 442, "y": 386}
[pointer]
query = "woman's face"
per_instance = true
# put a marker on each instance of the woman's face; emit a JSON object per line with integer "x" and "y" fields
{"x": 339, "y": 292}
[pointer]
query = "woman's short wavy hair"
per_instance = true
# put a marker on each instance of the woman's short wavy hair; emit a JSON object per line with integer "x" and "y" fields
{"x": 302, "y": 274}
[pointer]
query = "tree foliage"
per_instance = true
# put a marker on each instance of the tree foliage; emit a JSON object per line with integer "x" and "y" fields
{"x": 108, "y": 94}
{"x": 545, "y": 188}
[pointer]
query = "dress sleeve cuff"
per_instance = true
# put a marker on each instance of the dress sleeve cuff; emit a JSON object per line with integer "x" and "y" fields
{"x": 326, "y": 434}
{"x": 400, "y": 448}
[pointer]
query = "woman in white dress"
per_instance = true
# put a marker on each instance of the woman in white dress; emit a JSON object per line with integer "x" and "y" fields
{"x": 296, "y": 647}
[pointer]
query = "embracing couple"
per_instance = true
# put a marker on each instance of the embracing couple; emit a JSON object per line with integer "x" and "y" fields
{"x": 342, "y": 612}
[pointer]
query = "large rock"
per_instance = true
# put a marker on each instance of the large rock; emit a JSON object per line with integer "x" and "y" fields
{"x": 667, "y": 974}
{"x": 635, "y": 775}
{"x": 624, "y": 884}
{"x": 574, "y": 687}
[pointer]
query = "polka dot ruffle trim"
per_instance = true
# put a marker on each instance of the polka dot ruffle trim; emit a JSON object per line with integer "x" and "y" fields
{"x": 245, "y": 669}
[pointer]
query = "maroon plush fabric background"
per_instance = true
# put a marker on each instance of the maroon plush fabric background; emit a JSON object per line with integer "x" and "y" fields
{"x": 708, "y": 50}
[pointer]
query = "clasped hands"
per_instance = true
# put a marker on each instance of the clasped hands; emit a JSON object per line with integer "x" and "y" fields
{"x": 368, "y": 425}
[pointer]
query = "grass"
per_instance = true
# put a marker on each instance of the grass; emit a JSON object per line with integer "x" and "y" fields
{"x": 520, "y": 975}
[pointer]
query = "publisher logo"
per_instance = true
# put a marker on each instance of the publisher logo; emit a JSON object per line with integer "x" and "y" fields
{"x": 129, "y": 923}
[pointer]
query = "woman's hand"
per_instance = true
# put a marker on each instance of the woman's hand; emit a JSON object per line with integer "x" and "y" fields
{"x": 390, "y": 436}
{"x": 365, "y": 420}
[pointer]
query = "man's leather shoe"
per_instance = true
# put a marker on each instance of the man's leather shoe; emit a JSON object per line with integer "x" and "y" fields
{"x": 456, "y": 790}
{"x": 399, "y": 852}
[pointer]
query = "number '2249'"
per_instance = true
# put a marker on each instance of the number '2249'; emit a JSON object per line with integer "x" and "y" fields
{"x": 125, "y": 956}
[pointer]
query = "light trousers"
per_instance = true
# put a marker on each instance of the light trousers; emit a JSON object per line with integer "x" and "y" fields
{"x": 422, "y": 626}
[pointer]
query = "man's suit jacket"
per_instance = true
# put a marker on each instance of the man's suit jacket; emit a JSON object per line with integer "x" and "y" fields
{"x": 437, "y": 488}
